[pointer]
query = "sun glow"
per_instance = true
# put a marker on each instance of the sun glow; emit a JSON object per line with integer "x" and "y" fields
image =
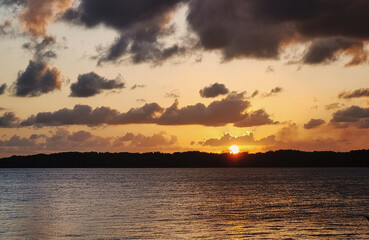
{"x": 234, "y": 149}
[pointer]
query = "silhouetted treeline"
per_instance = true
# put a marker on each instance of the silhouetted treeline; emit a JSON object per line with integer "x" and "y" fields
{"x": 281, "y": 158}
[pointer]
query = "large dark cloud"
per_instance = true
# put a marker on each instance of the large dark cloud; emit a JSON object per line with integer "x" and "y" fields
{"x": 231, "y": 109}
{"x": 140, "y": 23}
{"x": 313, "y": 123}
{"x": 353, "y": 115}
{"x": 214, "y": 90}
{"x": 2, "y": 89}
{"x": 358, "y": 93}
{"x": 233, "y": 27}
{"x": 37, "y": 79}
{"x": 91, "y": 84}
{"x": 8, "y": 120}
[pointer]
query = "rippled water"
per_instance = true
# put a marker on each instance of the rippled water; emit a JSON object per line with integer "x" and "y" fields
{"x": 184, "y": 203}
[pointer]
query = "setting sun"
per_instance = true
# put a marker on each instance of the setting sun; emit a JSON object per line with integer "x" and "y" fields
{"x": 234, "y": 149}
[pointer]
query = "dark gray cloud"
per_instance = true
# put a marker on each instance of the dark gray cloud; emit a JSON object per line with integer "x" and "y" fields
{"x": 353, "y": 115}
{"x": 37, "y": 79}
{"x": 248, "y": 139}
{"x": 273, "y": 92}
{"x": 214, "y": 90}
{"x": 283, "y": 22}
{"x": 326, "y": 50}
{"x": 42, "y": 51}
{"x": 8, "y": 120}
{"x": 140, "y": 23}
{"x": 257, "y": 118}
{"x": 2, "y": 88}
{"x": 358, "y": 93}
{"x": 91, "y": 84}
{"x": 313, "y": 123}
{"x": 138, "y": 86}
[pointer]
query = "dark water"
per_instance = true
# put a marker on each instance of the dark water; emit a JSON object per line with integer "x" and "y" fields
{"x": 184, "y": 203}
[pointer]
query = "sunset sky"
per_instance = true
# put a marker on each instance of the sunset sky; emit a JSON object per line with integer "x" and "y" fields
{"x": 183, "y": 75}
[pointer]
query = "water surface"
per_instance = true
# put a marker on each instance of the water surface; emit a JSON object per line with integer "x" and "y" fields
{"x": 184, "y": 203}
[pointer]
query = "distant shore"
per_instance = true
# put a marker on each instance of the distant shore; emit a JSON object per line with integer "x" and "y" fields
{"x": 281, "y": 158}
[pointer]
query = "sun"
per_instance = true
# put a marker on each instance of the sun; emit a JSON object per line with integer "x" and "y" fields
{"x": 234, "y": 149}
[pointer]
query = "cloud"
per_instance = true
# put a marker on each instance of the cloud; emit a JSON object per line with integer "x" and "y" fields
{"x": 138, "y": 86}
{"x": 273, "y": 92}
{"x": 37, "y": 14}
{"x": 8, "y": 120}
{"x": 326, "y": 50}
{"x": 37, "y": 79}
{"x": 313, "y": 123}
{"x": 257, "y": 118}
{"x": 214, "y": 90}
{"x": 269, "y": 69}
{"x": 283, "y": 23}
{"x": 362, "y": 92}
{"x": 141, "y": 24}
{"x": 173, "y": 94}
{"x": 140, "y": 140}
{"x": 248, "y": 139}
{"x": 62, "y": 139}
{"x": 140, "y": 100}
{"x": 217, "y": 113}
{"x": 2, "y": 88}
{"x": 353, "y": 115}
{"x": 231, "y": 109}
{"x": 91, "y": 84}
{"x": 333, "y": 106}
{"x": 255, "y": 93}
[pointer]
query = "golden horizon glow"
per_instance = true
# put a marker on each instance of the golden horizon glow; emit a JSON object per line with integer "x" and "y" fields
{"x": 234, "y": 149}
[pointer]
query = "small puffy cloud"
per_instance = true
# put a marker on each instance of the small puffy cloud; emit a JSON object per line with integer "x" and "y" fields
{"x": 273, "y": 92}
{"x": 91, "y": 84}
{"x": 255, "y": 93}
{"x": 358, "y": 93}
{"x": 214, "y": 90}
{"x": 353, "y": 115}
{"x": 2, "y": 89}
{"x": 313, "y": 123}
{"x": 248, "y": 139}
{"x": 8, "y": 120}
{"x": 257, "y": 118}
{"x": 37, "y": 79}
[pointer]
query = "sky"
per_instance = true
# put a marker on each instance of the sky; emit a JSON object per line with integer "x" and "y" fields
{"x": 183, "y": 75}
